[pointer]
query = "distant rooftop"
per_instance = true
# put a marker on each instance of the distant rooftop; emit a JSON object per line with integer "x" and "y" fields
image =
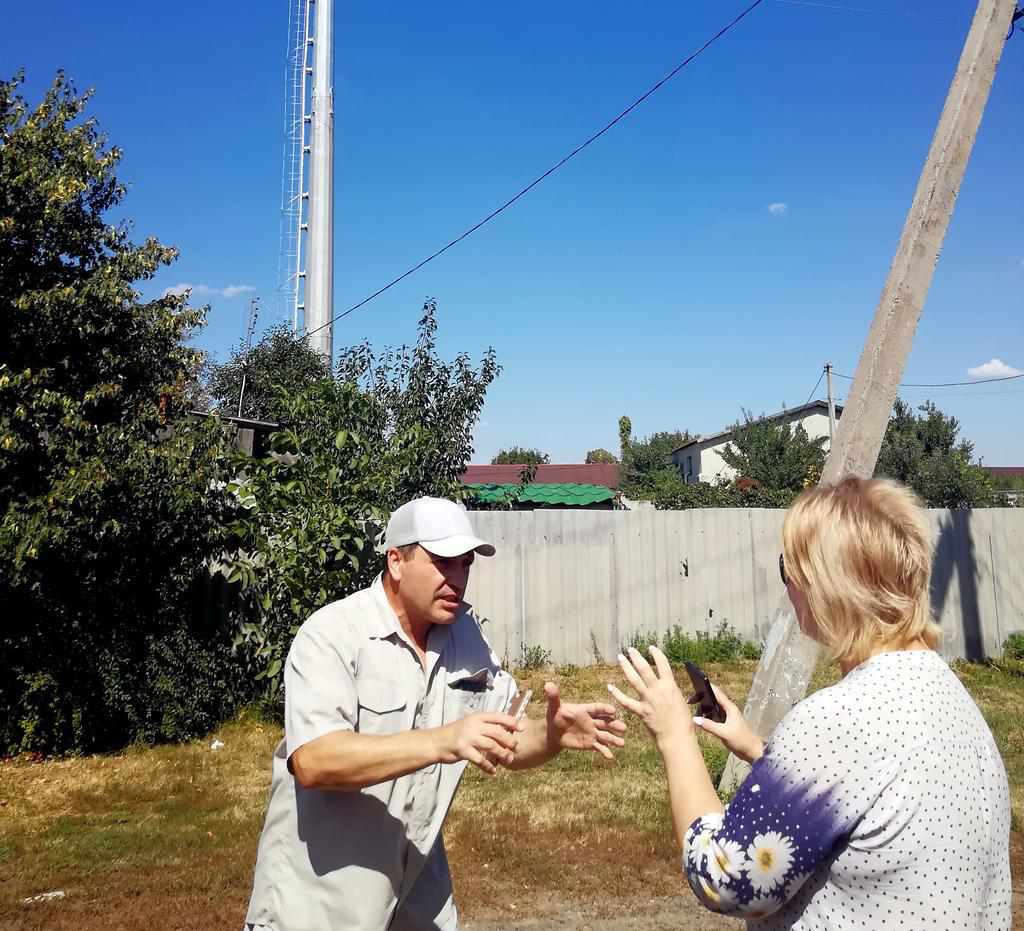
{"x": 543, "y": 494}
{"x": 599, "y": 473}
{"x": 780, "y": 415}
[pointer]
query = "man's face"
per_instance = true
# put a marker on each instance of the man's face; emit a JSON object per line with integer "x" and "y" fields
{"x": 432, "y": 587}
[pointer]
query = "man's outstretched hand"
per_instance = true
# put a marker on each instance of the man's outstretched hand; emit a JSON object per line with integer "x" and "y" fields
{"x": 595, "y": 726}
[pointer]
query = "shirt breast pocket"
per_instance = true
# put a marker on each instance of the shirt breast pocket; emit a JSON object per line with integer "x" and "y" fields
{"x": 469, "y": 691}
{"x": 382, "y": 708}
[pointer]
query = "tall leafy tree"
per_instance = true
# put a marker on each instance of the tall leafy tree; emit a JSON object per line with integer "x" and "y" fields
{"x": 654, "y": 453}
{"x": 625, "y": 438}
{"x": 278, "y": 361}
{"x": 925, "y": 451}
{"x": 776, "y": 454}
{"x": 520, "y": 455}
{"x": 418, "y": 396}
{"x": 107, "y": 511}
{"x": 391, "y": 426}
{"x": 647, "y": 462}
{"x": 600, "y": 456}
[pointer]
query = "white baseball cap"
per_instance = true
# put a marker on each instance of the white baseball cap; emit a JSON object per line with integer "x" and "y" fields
{"x": 441, "y": 527}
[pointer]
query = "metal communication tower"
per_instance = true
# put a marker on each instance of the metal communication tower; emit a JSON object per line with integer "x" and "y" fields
{"x": 306, "y": 270}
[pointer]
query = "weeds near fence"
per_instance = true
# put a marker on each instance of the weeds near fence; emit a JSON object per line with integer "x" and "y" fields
{"x": 1013, "y": 648}
{"x": 533, "y": 656}
{"x": 679, "y": 646}
{"x": 1012, "y": 660}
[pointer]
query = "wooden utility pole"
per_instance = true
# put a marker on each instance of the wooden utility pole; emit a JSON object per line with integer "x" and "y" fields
{"x": 789, "y": 657}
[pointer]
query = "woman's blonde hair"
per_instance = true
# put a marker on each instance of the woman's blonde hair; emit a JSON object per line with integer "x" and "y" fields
{"x": 861, "y": 553}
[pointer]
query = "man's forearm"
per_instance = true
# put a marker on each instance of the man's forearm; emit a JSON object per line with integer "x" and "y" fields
{"x": 691, "y": 793}
{"x": 346, "y": 761}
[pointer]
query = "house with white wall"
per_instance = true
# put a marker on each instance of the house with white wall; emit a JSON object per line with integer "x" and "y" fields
{"x": 700, "y": 460}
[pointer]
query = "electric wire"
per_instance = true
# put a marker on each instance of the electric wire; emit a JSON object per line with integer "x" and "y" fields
{"x": 947, "y": 384}
{"x": 597, "y": 135}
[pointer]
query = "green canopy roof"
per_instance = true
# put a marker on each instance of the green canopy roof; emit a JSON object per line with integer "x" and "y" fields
{"x": 544, "y": 493}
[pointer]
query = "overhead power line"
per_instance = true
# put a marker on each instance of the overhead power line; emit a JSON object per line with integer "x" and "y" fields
{"x": 547, "y": 174}
{"x": 815, "y": 388}
{"x": 947, "y": 384}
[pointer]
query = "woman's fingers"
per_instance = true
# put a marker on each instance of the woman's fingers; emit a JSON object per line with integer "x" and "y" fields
{"x": 630, "y": 704}
{"x": 724, "y": 700}
{"x": 642, "y": 667}
{"x": 661, "y": 663}
{"x": 709, "y": 727}
{"x": 630, "y": 672}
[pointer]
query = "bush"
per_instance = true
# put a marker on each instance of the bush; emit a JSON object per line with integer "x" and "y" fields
{"x": 750, "y": 650}
{"x": 1013, "y": 647}
{"x": 641, "y": 641}
{"x": 679, "y": 647}
{"x": 673, "y": 494}
{"x": 148, "y": 688}
{"x": 533, "y": 657}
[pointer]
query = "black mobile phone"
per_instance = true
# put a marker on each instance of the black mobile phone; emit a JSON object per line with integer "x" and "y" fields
{"x": 704, "y": 694}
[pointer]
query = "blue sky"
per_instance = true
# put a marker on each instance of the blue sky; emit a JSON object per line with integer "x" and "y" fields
{"x": 650, "y": 276}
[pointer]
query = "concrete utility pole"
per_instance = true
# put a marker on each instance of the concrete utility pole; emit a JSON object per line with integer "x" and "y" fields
{"x": 250, "y": 331}
{"x": 789, "y": 657}
{"x": 831, "y": 407}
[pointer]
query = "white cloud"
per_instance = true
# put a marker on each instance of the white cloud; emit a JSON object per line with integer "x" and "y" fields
{"x": 204, "y": 290}
{"x": 177, "y": 290}
{"x": 233, "y": 290}
{"x": 994, "y": 368}
{"x": 777, "y": 209}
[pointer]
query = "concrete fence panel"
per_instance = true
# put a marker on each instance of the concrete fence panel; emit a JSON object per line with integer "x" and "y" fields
{"x": 580, "y": 584}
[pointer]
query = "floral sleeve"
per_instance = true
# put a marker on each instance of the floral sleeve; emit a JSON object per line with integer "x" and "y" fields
{"x": 786, "y": 820}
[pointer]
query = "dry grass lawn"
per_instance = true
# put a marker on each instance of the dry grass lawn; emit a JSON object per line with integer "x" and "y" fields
{"x": 164, "y": 838}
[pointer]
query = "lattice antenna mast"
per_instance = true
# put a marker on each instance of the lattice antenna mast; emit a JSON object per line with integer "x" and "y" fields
{"x": 307, "y": 197}
{"x": 290, "y": 261}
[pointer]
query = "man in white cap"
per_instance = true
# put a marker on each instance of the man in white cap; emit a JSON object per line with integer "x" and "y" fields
{"x": 388, "y": 694}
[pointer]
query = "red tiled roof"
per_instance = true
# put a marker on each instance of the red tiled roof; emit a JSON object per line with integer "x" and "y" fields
{"x": 599, "y": 473}
{"x": 1005, "y": 471}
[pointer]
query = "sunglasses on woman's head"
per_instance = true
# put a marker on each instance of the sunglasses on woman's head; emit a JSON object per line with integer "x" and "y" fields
{"x": 782, "y": 569}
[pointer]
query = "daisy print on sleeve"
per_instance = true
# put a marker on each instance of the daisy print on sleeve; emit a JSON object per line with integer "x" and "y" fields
{"x": 785, "y": 822}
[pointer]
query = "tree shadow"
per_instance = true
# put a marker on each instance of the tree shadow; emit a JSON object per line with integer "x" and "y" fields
{"x": 954, "y": 554}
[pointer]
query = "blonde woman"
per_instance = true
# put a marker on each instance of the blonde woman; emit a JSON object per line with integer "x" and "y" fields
{"x": 878, "y": 803}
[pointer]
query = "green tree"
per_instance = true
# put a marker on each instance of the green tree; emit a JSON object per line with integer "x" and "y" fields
{"x": 625, "y": 438}
{"x": 647, "y": 462}
{"x": 775, "y": 454}
{"x": 654, "y": 453}
{"x": 277, "y": 361}
{"x": 420, "y": 397}
{"x": 388, "y": 428}
{"x": 600, "y": 456}
{"x": 108, "y": 507}
{"x": 520, "y": 455}
{"x": 925, "y": 451}
{"x": 671, "y": 493}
